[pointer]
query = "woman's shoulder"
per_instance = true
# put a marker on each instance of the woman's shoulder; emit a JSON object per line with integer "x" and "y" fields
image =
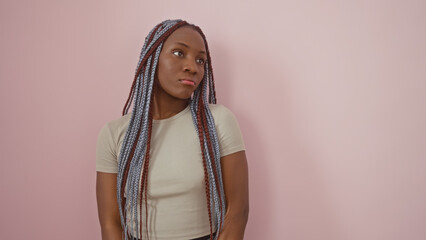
{"x": 221, "y": 112}
{"x": 120, "y": 121}
{"x": 218, "y": 108}
{"x": 119, "y": 124}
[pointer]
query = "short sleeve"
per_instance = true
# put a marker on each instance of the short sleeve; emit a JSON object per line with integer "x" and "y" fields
{"x": 228, "y": 131}
{"x": 106, "y": 153}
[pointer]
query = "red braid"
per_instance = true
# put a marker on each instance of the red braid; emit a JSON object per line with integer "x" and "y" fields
{"x": 210, "y": 149}
{"x": 206, "y": 179}
{"x": 144, "y": 182}
{"x": 126, "y": 171}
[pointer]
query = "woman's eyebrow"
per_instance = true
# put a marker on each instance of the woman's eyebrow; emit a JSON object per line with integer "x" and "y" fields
{"x": 183, "y": 44}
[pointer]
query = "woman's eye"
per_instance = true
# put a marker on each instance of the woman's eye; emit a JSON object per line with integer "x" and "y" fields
{"x": 201, "y": 61}
{"x": 178, "y": 53}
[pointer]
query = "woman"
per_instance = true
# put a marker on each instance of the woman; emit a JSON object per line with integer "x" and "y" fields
{"x": 176, "y": 167}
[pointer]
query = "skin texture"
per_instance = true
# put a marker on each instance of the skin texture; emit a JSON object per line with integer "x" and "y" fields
{"x": 109, "y": 216}
{"x": 235, "y": 181}
{"x": 182, "y": 57}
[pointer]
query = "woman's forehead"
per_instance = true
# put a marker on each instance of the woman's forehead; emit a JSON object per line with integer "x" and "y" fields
{"x": 188, "y": 36}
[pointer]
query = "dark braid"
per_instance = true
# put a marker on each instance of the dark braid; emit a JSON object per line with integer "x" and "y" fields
{"x": 209, "y": 144}
{"x": 206, "y": 179}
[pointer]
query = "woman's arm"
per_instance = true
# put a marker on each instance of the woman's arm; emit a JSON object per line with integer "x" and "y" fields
{"x": 235, "y": 181}
{"x": 109, "y": 216}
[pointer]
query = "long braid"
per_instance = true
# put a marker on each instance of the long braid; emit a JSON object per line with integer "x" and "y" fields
{"x": 130, "y": 166}
{"x": 209, "y": 118}
{"x": 198, "y": 109}
{"x": 134, "y": 156}
{"x": 210, "y": 150}
{"x": 217, "y": 193}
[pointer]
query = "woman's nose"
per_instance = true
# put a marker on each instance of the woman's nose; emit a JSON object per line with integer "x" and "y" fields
{"x": 190, "y": 66}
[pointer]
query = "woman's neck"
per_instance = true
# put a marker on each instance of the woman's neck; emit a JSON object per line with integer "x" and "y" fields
{"x": 165, "y": 106}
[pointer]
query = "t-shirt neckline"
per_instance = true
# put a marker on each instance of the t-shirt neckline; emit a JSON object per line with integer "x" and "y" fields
{"x": 177, "y": 115}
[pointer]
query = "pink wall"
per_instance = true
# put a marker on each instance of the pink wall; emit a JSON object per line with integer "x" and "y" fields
{"x": 330, "y": 97}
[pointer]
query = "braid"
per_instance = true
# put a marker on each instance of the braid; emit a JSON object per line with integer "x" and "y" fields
{"x": 206, "y": 179}
{"x": 134, "y": 157}
{"x": 210, "y": 150}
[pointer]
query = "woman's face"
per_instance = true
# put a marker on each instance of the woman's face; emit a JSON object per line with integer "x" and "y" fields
{"x": 181, "y": 63}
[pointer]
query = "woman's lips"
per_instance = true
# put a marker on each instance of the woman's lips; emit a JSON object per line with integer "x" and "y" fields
{"x": 187, "y": 82}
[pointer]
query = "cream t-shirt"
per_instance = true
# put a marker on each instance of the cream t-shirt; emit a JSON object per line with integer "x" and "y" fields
{"x": 177, "y": 207}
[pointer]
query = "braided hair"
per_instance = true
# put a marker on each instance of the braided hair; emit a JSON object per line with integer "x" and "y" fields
{"x": 135, "y": 152}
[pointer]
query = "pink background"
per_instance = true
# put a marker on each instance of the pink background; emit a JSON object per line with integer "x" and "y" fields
{"x": 330, "y": 96}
